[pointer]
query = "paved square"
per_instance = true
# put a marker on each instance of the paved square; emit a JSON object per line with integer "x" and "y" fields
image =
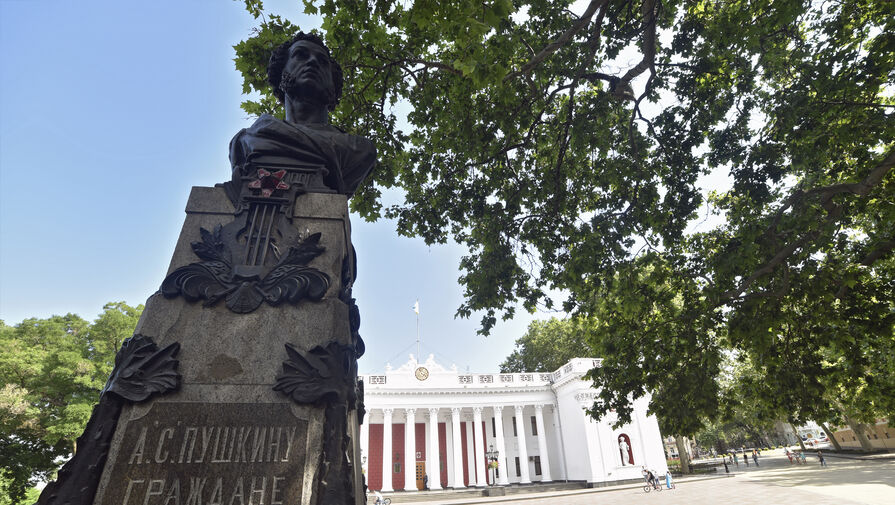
{"x": 774, "y": 481}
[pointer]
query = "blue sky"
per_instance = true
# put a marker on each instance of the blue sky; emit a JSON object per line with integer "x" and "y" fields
{"x": 109, "y": 113}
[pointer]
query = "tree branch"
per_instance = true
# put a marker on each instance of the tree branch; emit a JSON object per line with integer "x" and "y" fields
{"x": 857, "y": 104}
{"x": 883, "y": 249}
{"x": 594, "y": 43}
{"x": 860, "y": 188}
{"x": 635, "y": 112}
{"x": 552, "y": 47}
{"x": 435, "y": 64}
{"x": 649, "y": 42}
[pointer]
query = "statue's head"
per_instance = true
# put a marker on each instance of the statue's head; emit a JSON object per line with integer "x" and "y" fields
{"x": 303, "y": 69}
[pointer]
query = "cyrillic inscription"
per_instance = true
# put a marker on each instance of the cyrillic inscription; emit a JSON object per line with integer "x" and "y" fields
{"x": 210, "y": 454}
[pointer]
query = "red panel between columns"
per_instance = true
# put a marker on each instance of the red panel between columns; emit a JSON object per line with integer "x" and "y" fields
{"x": 484, "y": 462}
{"x": 465, "y": 454}
{"x": 374, "y": 458}
{"x": 398, "y": 455}
{"x": 442, "y": 453}
{"x": 421, "y": 441}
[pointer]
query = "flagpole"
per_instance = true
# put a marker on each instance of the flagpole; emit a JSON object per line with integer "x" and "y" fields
{"x": 416, "y": 308}
{"x": 417, "y": 333}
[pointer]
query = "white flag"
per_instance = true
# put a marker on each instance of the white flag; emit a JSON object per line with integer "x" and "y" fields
{"x": 416, "y": 307}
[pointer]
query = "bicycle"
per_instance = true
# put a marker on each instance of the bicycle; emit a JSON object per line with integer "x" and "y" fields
{"x": 384, "y": 501}
{"x": 650, "y": 486}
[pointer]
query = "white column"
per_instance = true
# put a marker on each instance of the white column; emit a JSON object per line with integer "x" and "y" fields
{"x": 410, "y": 450}
{"x": 470, "y": 453}
{"x": 501, "y": 446}
{"x": 523, "y": 452}
{"x": 387, "y": 450}
{"x": 448, "y": 454}
{"x": 562, "y": 448}
{"x": 435, "y": 471}
{"x": 598, "y": 455}
{"x": 480, "y": 479}
{"x": 641, "y": 447}
{"x": 458, "y": 450}
{"x": 602, "y": 430}
{"x": 542, "y": 444}
{"x": 365, "y": 444}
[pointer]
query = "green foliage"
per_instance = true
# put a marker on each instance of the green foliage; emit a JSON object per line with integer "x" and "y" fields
{"x": 746, "y": 416}
{"x": 656, "y": 337}
{"x": 559, "y": 172}
{"x": 547, "y": 345}
{"x": 52, "y": 371}
{"x": 31, "y": 495}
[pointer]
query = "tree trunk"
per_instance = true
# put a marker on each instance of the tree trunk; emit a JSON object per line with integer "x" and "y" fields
{"x": 830, "y": 436}
{"x": 683, "y": 454}
{"x": 798, "y": 437}
{"x": 858, "y": 429}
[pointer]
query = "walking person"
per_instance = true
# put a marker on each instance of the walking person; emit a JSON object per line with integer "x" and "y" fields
{"x": 745, "y": 458}
{"x": 804, "y": 460}
{"x": 755, "y": 457}
{"x": 820, "y": 456}
{"x": 736, "y": 460}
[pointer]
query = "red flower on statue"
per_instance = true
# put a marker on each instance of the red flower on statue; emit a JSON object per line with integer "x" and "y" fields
{"x": 269, "y": 182}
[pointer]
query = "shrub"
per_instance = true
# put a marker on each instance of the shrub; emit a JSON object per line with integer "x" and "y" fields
{"x": 674, "y": 465}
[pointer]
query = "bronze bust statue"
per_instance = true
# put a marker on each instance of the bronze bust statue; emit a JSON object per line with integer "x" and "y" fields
{"x": 317, "y": 156}
{"x": 261, "y": 256}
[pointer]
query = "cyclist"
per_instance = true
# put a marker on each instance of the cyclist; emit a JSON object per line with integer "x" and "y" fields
{"x": 379, "y": 499}
{"x": 650, "y": 478}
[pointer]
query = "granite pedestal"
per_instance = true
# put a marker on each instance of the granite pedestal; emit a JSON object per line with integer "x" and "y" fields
{"x": 226, "y": 437}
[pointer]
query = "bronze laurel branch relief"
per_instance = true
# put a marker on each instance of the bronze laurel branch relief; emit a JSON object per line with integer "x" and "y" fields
{"x": 246, "y": 284}
{"x": 326, "y": 376}
{"x": 142, "y": 371}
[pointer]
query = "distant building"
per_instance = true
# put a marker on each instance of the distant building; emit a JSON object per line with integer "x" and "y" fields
{"x": 810, "y": 430}
{"x": 426, "y": 420}
{"x": 783, "y": 433}
{"x": 880, "y": 434}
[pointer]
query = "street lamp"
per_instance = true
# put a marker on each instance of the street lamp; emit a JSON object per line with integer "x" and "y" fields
{"x": 492, "y": 456}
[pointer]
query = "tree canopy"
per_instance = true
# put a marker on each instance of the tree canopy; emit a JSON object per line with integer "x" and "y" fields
{"x": 52, "y": 371}
{"x": 565, "y": 145}
{"x": 548, "y": 345}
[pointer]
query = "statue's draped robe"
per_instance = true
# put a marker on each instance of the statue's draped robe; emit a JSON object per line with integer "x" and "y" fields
{"x": 344, "y": 160}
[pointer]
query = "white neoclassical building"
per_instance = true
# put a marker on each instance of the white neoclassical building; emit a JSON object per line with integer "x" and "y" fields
{"x": 427, "y": 420}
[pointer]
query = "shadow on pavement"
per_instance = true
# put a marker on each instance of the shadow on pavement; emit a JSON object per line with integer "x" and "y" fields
{"x": 812, "y": 474}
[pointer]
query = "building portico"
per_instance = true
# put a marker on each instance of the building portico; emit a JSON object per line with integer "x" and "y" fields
{"x": 426, "y": 420}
